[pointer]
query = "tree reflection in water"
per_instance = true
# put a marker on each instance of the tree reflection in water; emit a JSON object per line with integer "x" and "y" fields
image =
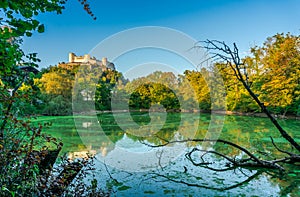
{"x": 181, "y": 176}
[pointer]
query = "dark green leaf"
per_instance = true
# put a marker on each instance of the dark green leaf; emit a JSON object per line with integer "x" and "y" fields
{"x": 41, "y": 28}
{"x": 29, "y": 34}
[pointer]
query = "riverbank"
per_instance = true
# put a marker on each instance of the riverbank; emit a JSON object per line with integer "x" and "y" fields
{"x": 220, "y": 112}
{"x": 262, "y": 115}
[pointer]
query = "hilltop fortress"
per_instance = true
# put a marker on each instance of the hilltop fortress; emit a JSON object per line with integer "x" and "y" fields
{"x": 86, "y": 60}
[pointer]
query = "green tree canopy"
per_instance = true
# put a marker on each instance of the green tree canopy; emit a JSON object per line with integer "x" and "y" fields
{"x": 279, "y": 62}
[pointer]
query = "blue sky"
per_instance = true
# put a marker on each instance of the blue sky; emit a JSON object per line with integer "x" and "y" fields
{"x": 246, "y": 22}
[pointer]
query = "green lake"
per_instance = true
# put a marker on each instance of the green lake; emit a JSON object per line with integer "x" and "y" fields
{"x": 140, "y": 170}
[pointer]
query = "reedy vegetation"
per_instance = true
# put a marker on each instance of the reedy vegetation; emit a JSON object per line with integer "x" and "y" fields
{"x": 27, "y": 154}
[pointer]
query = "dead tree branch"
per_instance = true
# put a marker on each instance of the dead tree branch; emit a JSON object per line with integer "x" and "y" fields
{"x": 205, "y": 186}
{"x": 231, "y": 57}
{"x": 250, "y": 161}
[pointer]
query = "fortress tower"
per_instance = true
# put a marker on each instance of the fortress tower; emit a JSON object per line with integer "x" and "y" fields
{"x": 71, "y": 57}
{"x": 104, "y": 61}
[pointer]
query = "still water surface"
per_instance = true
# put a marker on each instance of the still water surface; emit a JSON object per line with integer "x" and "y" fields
{"x": 140, "y": 170}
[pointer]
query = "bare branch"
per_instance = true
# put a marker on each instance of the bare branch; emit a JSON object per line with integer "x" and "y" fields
{"x": 224, "y": 52}
{"x": 280, "y": 150}
{"x": 207, "y": 140}
{"x": 252, "y": 161}
{"x": 208, "y": 187}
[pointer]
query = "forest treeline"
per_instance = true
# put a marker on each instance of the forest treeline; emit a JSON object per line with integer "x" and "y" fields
{"x": 274, "y": 71}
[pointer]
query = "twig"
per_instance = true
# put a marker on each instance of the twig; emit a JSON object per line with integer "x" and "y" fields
{"x": 280, "y": 150}
{"x": 109, "y": 174}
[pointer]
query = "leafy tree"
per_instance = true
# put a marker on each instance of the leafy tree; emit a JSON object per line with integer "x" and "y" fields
{"x": 55, "y": 96}
{"x": 149, "y": 94}
{"x": 279, "y": 61}
{"x": 186, "y": 93}
{"x": 238, "y": 99}
{"x": 25, "y": 161}
{"x": 156, "y": 88}
{"x": 106, "y": 82}
{"x": 200, "y": 87}
{"x": 59, "y": 82}
{"x": 166, "y": 78}
{"x": 103, "y": 95}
